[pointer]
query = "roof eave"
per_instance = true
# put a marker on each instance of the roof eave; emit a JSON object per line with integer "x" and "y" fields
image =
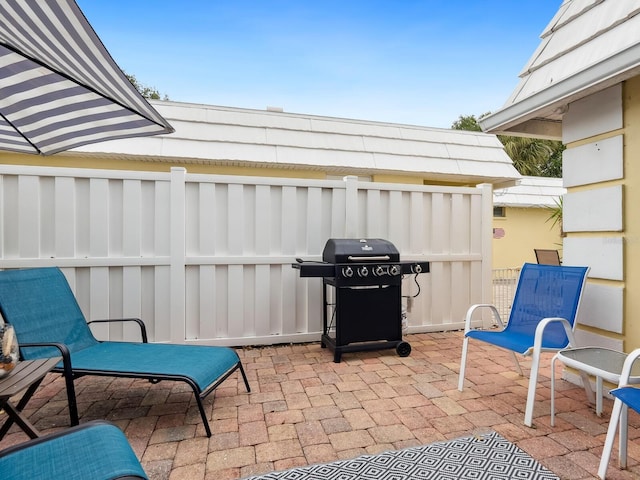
{"x": 512, "y": 182}
{"x": 539, "y": 115}
{"x": 498, "y": 180}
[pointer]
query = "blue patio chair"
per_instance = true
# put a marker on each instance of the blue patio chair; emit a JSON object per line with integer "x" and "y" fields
{"x": 542, "y": 318}
{"x": 625, "y": 397}
{"x": 48, "y": 322}
{"x": 95, "y": 450}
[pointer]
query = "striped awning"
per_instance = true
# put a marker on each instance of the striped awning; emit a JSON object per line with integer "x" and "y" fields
{"x": 59, "y": 87}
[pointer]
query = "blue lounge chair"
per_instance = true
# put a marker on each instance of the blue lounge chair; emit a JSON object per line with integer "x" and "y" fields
{"x": 625, "y": 397}
{"x": 48, "y": 322}
{"x": 95, "y": 450}
{"x": 542, "y": 318}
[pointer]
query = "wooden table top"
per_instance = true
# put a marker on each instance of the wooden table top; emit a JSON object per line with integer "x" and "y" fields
{"x": 24, "y": 374}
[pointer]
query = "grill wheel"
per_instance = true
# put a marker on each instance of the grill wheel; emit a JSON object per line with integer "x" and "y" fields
{"x": 403, "y": 349}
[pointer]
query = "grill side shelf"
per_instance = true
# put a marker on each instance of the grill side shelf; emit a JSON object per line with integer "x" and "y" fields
{"x": 313, "y": 269}
{"x": 409, "y": 267}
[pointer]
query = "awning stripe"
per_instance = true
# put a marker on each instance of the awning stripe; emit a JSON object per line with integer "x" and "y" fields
{"x": 55, "y": 50}
{"x": 52, "y": 104}
{"x": 75, "y": 139}
{"x": 55, "y": 74}
{"x": 65, "y": 113}
{"x": 100, "y": 121}
{"x": 85, "y": 63}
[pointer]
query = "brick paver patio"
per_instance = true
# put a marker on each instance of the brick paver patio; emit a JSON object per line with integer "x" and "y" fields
{"x": 304, "y": 408}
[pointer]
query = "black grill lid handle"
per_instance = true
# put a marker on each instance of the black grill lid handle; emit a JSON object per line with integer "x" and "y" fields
{"x": 379, "y": 258}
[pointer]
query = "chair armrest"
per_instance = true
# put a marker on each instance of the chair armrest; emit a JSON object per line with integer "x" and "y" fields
{"x": 627, "y": 366}
{"x": 537, "y": 341}
{"x": 477, "y": 306}
{"x": 143, "y": 328}
{"x": 67, "y": 372}
{"x": 64, "y": 352}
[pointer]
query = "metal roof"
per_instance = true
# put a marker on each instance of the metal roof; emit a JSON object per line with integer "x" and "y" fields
{"x": 589, "y": 45}
{"x": 530, "y": 192}
{"x": 214, "y": 135}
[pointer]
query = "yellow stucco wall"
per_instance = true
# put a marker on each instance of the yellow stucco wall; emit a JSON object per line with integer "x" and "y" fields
{"x": 631, "y": 151}
{"x": 524, "y": 229}
{"x": 397, "y": 179}
{"x": 630, "y": 336}
{"x": 62, "y": 160}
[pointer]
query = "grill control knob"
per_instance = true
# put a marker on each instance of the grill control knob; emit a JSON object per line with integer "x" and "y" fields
{"x": 394, "y": 270}
{"x": 347, "y": 272}
{"x": 378, "y": 271}
{"x": 417, "y": 269}
{"x": 363, "y": 272}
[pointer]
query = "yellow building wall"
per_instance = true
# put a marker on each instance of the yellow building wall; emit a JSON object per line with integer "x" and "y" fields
{"x": 397, "y": 179}
{"x": 62, "y": 160}
{"x": 519, "y": 232}
{"x": 631, "y": 152}
{"x": 630, "y": 335}
{"x": 74, "y": 161}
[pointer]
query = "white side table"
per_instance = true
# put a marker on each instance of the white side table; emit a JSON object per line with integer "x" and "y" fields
{"x": 603, "y": 363}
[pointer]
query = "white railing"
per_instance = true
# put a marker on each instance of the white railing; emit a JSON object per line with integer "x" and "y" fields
{"x": 207, "y": 258}
{"x": 504, "y": 281}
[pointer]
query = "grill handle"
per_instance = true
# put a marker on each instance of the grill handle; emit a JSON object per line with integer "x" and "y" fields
{"x": 379, "y": 258}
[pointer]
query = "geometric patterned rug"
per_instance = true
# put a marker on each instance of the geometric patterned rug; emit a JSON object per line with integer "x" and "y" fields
{"x": 478, "y": 457}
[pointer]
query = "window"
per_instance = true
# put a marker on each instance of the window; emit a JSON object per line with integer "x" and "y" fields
{"x": 499, "y": 212}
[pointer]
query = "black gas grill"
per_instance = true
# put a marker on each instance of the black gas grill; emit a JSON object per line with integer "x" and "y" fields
{"x": 362, "y": 282}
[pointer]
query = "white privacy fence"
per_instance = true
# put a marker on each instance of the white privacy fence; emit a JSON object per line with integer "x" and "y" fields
{"x": 207, "y": 258}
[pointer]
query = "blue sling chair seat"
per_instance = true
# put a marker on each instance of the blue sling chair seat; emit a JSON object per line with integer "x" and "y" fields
{"x": 95, "y": 450}
{"x": 542, "y": 318}
{"x": 48, "y": 322}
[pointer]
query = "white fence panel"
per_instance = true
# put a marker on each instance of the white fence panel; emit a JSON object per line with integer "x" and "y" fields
{"x": 108, "y": 231}
{"x": 207, "y": 259}
{"x": 254, "y": 229}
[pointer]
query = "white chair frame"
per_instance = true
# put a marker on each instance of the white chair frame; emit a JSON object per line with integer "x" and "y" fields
{"x": 619, "y": 415}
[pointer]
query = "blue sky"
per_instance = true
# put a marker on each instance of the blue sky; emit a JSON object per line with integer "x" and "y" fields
{"x": 421, "y": 62}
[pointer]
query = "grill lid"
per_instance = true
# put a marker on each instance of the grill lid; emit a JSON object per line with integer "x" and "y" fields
{"x": 350, "y": 250}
